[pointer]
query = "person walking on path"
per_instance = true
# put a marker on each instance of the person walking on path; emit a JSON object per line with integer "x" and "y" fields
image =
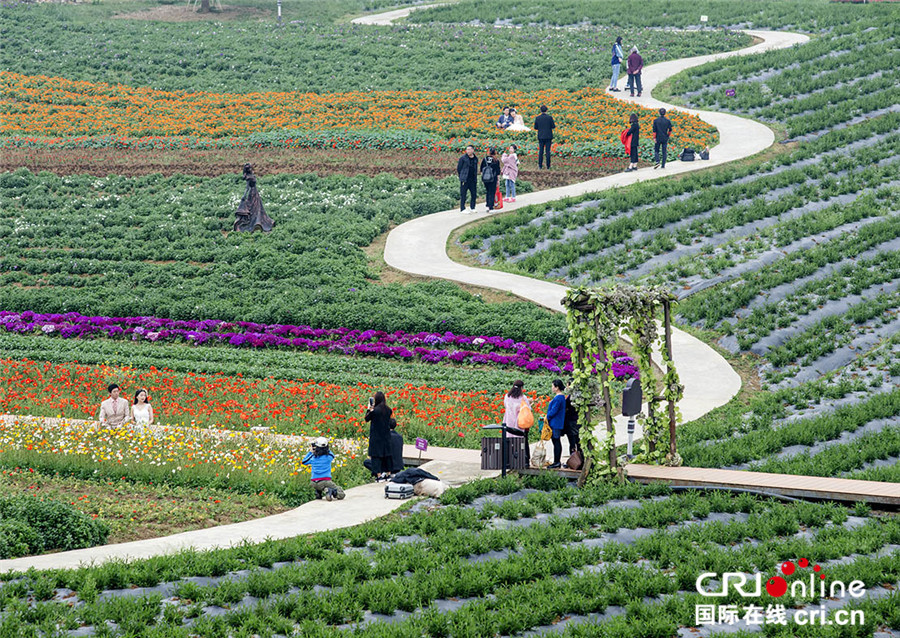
{"x": 490, "y": 175}
{"x": 510, "y": 163}
{"x": 320, "y": 460}
{"x": 142, "y": 411}
{"x": 662, "y": 129}
{"x": 378, "y": 416}
{"x": 544, "y": 126}
{"x": 634, "y": 133}
{"x": 617, "y": 55}
{"x": 634, "y": 67}
{"x": 396, "y": 449}
{"x": 114, "y": 410}
{"x": 467, "y": 169}
{"x": 556, "y": 419}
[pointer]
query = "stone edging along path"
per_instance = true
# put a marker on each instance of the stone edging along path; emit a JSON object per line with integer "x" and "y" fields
{"x": 419, "y": 247}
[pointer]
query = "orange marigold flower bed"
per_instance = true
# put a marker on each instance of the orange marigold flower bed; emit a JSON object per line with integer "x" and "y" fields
{"x": 589, "y": 121}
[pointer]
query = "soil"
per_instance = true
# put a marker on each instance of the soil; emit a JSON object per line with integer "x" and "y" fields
{"x": 266, "y": 161}
{"x": 183, "y": 13}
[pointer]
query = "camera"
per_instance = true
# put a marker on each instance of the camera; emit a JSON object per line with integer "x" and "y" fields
{"x": 371, "y": 401}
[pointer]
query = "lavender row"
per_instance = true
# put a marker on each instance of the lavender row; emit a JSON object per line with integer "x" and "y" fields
{"x": 427, "y": 347}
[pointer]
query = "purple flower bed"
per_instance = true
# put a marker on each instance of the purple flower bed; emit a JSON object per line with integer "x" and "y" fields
{"x": 427, "y": 347}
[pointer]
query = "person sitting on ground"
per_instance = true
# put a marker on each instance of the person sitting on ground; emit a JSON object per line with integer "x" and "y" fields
{"x": 114, "y": 410}
{"x": 556, "y": 419}
{"x": 518, "y": 122}
{"x": 506, "y": 119}
{"x": 142, "y": 411}
{"x": 396, "y": 449}
{"x": 320, "y": 459}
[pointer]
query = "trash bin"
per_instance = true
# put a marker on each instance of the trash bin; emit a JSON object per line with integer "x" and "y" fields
{"x": 492, "y": 453}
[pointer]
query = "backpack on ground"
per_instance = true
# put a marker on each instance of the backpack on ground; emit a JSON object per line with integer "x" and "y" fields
{"x": 687, "y": 155}
{"x": 526, "y": 417}
{"x": 575, "y": 461}
{"x": 704, "y": 154}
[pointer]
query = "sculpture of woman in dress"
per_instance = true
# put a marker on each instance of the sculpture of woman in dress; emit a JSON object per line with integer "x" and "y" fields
{"x": 250, "y": 212}
{"x": 142, "y": 411}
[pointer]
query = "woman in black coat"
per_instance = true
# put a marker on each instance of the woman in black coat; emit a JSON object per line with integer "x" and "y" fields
{"x": 635, "y": 133}
{"x": 378, "y": 415}
{"x": 491, "y": 186}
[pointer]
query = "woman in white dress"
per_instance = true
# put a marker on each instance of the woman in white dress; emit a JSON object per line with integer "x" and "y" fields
{"x": 518, "y": 123}
{"x": 142, "y": 411}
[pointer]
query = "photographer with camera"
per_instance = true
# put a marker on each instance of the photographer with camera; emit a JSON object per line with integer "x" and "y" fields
{"x": 378, "y": 415}
{"x": 320, "y": 459}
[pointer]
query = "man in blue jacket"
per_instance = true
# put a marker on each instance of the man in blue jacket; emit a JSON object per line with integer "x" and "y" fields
{"x": 556, "y": 419}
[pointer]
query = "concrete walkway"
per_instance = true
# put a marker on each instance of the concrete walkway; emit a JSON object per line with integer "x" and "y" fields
{"x": 419, "y": 247}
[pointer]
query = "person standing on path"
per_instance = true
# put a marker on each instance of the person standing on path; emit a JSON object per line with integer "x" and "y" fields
{"x": 490, "y": 175}
{"x": 662, "y": 129}
{"x": 512, "y": 404}
{"x": 617, "y": 55}
{"x": 510, "y": 163}
{"x": 142, "y": 411}
{"x": 556, "y": 419}
{"x": 572, "y": 428}
{"x": 544, "y": 126}
{"x": 378, "y": 415}
{"x": 114, "y": 410}
{"x": 320, "y": 460}
{"x": 467, "y": 169}
{"x": 634, "y": 67}
{"x": 634, "y": 133}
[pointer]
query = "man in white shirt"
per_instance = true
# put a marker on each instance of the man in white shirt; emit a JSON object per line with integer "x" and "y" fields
{"x": 114, "y": 410}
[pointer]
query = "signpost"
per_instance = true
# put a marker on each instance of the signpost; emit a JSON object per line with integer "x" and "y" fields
{"x": 421, "y": 446}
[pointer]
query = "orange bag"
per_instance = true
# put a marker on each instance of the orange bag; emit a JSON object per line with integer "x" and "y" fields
{"x": 498, "y": 198}
{"x": 526, "y": 418}
{"x": 626, "y": 140}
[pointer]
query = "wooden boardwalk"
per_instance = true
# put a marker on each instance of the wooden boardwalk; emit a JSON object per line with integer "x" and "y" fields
{"x": 817, "y": 487}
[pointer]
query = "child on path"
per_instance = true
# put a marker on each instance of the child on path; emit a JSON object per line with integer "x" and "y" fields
{"x": 320, "y": 459}
{"x": 510, "y": 163}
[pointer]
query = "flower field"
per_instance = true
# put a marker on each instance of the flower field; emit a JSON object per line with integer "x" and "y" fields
{"x": 588, "y": 121}
{"x": 184, "y": 456}
{"x": 309, "y": 408}
{"x": 427, "y": 347}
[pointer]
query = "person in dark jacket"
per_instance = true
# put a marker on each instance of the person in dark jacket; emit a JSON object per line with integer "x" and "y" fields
{"x": 544, "y": 126}
{"x": 396, "y": 449}
{"x": 662, "y": 129}
{"x": 556, "y": 419}
{"x": 378, "y": 415}
{"x": 490, "y": 168}
{"x": 572, "y": 429}
{"x": 634, "y": 132}
{"x": 467, "y": 169}
{"x": 634, "y": 67}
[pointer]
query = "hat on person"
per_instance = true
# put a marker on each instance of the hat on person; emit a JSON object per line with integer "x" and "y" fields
{"x": 321, "y": 442}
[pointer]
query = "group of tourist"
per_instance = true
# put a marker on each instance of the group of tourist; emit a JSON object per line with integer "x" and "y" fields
{"x": 634, "y": 64}
{"x": 562, "y": 418}
{"x": 115, "y": 411}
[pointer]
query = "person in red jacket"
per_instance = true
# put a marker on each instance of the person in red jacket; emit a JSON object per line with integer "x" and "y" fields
{"x": 634, "y": 67}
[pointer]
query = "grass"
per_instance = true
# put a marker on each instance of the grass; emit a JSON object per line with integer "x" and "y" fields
{"x": 136, "y": 510}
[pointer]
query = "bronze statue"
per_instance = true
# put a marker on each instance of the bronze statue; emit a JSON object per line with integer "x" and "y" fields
{"x": 250, "y": 212}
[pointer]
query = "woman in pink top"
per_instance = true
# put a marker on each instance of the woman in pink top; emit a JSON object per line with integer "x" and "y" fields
{"x": 509, "y": 165}
{"x": 513, "y": 403}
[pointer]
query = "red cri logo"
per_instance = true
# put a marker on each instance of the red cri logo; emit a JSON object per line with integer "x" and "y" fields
{"x": 777, "y": 586}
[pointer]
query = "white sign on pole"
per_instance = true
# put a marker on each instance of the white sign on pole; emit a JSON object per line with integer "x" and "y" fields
{"x": 704, "y": 18}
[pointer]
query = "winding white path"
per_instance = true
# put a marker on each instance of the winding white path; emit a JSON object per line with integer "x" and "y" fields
{"x": 419, "y": 247}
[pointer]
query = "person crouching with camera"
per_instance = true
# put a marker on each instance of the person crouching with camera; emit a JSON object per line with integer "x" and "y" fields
{"x": 320, "y": 459}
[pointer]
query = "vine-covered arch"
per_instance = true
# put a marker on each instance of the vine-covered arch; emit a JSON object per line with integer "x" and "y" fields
{"x": 595, "y": 317}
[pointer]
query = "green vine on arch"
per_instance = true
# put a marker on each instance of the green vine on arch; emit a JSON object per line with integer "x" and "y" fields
{"x": 595, "y": 317}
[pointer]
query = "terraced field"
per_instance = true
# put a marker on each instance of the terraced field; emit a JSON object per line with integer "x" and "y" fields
{"x": 497, "y": 558}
